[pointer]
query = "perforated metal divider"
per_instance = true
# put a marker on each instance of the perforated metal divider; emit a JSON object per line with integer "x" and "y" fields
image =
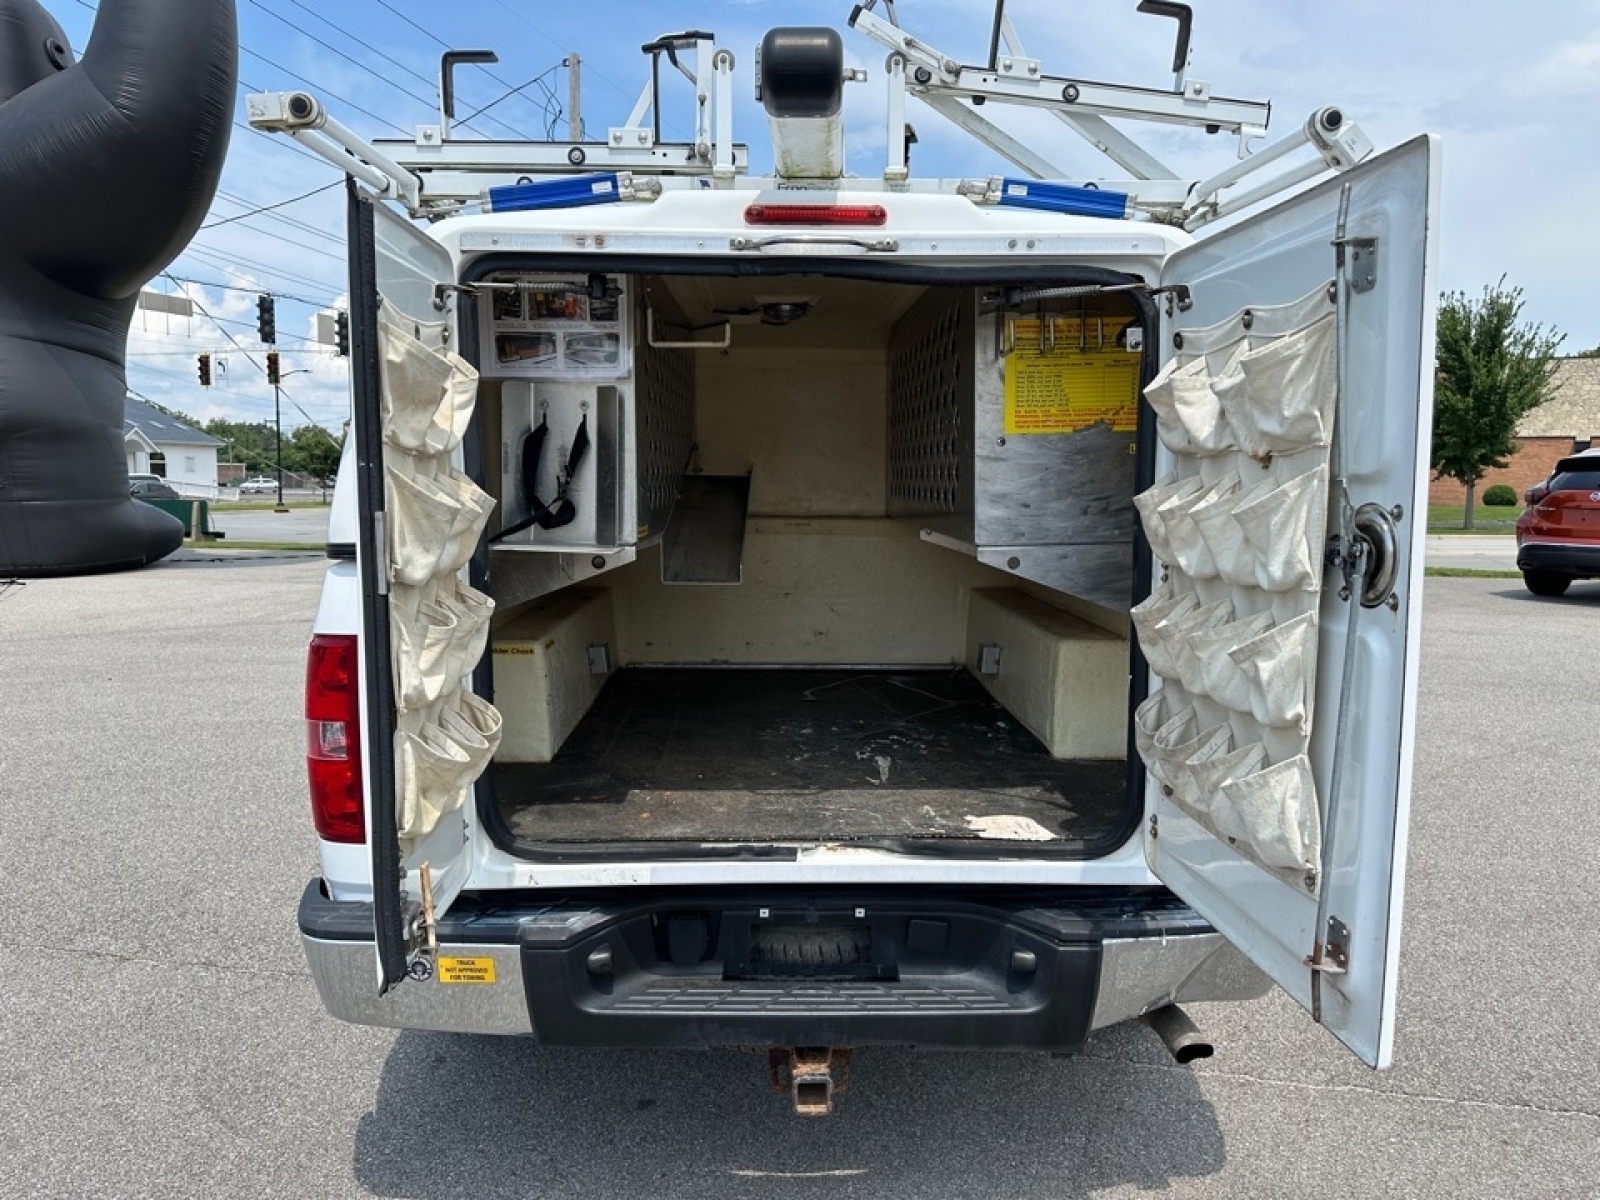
{"x": 930, "y": 414}
{"x": 1046, "y": 500}
{"x": 664, "y": 429}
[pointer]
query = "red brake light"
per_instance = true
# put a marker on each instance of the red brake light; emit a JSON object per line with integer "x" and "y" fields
{"x": 816, "y": 214}
{"x": 333, "y": 755}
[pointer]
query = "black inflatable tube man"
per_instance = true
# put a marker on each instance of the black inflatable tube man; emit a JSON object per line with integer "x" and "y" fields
{"x": 107, "y": 167}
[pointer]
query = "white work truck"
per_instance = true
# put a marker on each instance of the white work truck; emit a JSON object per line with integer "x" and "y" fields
{"x": 812, "y": 612}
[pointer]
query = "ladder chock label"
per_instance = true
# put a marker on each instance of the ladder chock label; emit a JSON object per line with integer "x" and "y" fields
{"x": 1075, "y": 376}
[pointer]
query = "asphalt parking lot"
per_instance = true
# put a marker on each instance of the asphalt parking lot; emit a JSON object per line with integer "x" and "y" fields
{"x": 162, "y": 1038}
{"x": 306, "y": 526}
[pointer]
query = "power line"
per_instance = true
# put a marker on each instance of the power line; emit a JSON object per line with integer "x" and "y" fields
{"x": 252, "y": 291}
{"x": 302, "y": 246}
{"x": 306, "y": 33}
{"x": 267, "y": 208}
{"x": 552, "y": 107}
{"x": 293, "y": 223}
{"x": 428, "y": 33}
{"x": 293, "y": 337}
{"x": 415, "y": 74}
{"x": 221, "y": 258}
{"x": 222, "y": 330}
{"x": 425, "y": 101}
{"x": 431, "y": 83}
{"x": 324, "y": 91}
{"x": 588, "y": 70}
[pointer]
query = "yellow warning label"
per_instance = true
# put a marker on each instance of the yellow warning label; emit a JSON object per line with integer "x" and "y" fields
{"x": 1075, "y": 376}
{"x": 466, "y": 970}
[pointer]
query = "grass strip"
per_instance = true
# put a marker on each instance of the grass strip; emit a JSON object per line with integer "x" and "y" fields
{"x": 1469, "y": 573}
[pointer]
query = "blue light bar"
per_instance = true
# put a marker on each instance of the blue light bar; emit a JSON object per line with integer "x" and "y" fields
{"x": 554, "y": 193}
{"x": 1064, "y": 198}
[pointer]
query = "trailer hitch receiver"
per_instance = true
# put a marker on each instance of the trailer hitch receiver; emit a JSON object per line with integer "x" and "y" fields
{"x": 811, "y": 1075}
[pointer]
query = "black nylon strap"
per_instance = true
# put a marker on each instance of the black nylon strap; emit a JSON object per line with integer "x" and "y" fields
{"x": 561, "y": 511}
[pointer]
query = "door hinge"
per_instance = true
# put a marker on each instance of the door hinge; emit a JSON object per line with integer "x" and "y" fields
{"x": 422, "y": 930}
{"x": 1330, "y": 955}
{"x": 380, "y": 547}
{"x": 1362, "y": 263}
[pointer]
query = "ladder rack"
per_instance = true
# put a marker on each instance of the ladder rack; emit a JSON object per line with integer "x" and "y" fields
{"x": 436, "y": 173}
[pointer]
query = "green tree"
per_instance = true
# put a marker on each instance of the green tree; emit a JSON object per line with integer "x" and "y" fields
{"x": 255, "y": 444}
{"x": 1493, "y": 368}
{"x": 312, "y": 451}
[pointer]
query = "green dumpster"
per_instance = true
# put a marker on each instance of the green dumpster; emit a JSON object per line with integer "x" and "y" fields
{"x": 184, "y": 511}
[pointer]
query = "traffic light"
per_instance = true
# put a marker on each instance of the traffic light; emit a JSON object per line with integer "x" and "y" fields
{"x": 266, "y": 319}
{"x": 205, "y": 370}
{"x": 272, "y": 367}
{"x": 341, "y": 332}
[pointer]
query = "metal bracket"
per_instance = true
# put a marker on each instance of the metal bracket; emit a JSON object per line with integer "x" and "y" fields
{"x": 1352, "y": 558}
{"x": 1331, "y": 954}
{"x": 380, "y": 542}
{"x": 688, "y": 343}
{"x": 422, "y": 930}
{"x": 1363, "y": 262}
{"x": 1016, "y": 297}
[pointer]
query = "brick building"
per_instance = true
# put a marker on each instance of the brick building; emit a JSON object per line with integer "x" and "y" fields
{"x": 1569, "y": 420}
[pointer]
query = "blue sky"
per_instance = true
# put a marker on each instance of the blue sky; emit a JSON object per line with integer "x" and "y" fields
{"x": 1511, "y": 90}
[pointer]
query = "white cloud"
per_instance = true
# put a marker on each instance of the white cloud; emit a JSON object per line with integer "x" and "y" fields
{"x": 1571, "y": 71}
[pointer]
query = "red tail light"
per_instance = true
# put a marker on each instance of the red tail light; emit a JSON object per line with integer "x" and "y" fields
{"x": 333, "y": 750}
{"x": 816, "y": 214}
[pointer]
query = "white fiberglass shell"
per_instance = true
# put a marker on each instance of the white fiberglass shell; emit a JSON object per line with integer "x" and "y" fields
{"x": 1283, "y": 820}
{"x": 1276, "y": 259}
{"x": 921, "y": 228}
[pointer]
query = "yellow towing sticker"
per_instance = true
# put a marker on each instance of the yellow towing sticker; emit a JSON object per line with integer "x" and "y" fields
{"x": 1079, "y": 378}
{"x": 466, "y": 970}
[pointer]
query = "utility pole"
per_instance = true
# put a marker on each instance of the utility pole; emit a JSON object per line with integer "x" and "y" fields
{"x": 574, "y": 97}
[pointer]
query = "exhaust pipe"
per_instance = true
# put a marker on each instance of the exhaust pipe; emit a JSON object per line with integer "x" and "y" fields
{"x": 1180, "y": 1035}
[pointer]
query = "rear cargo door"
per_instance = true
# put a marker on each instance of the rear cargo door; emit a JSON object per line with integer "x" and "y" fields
{"x": 1287, "y": 534}
{"x": 395, "y": 273}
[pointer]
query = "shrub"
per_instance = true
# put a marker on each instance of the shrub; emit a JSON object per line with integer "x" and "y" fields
{"x": 1500, "y": 496}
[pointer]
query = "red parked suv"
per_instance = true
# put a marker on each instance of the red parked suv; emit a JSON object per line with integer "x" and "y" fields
{"x": 1558, "y": 537}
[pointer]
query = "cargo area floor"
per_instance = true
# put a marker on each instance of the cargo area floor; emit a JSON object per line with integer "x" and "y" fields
{"x": 804, "y": 755}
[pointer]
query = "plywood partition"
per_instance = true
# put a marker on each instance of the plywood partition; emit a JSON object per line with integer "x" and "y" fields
{"x": 831, "y": 591}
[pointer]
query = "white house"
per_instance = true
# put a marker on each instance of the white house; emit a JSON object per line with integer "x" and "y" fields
{"x": 159, "y": 444}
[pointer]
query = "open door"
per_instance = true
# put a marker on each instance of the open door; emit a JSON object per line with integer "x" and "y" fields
{"x": 1288, "y": 534}
{"x": 426, "y": 737}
